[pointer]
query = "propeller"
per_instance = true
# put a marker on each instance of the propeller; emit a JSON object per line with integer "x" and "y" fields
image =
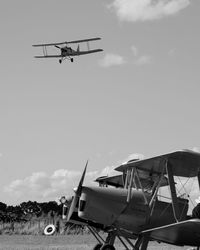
{"x": 77, "y": 194}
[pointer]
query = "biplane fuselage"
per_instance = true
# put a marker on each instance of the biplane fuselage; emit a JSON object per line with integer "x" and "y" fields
{"x": 67, "y": 51}
{"x": 109, "y": 207}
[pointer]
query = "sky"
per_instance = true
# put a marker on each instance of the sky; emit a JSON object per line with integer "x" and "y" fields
{"x": 139, "y": 96}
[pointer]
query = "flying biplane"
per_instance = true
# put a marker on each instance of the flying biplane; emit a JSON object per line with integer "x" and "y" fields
{"x": 66, "y": 52}
{"x": 134, "y": 210}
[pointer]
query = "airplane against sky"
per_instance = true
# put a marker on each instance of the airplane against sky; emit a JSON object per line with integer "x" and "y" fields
{"x": 67, "y": 52}
{"x": 135, "y": 210}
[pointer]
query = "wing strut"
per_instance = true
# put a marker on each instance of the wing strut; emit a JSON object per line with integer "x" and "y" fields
{"x": 130, "y": 186}
{"x": 198, "y": 176}
{"x": 155, "y": 192}
{"x": 173, "y": 192}
{"x": 88, "y": 46}
{"x": 138, "y": 178}
{"x": 44, "y": 48}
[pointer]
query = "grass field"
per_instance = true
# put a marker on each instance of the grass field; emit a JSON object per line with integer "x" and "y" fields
{"x": 60, "y": 242}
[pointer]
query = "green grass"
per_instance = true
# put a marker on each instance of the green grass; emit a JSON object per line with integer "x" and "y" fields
{"x": 62, "y": 242}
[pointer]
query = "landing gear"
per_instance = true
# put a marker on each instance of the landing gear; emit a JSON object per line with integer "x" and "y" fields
{"x": 69, "y": 58}
{"x": 108, "y": 244}
{"x": 103, "y": 247}
{"x": 108, "y": 247}
{"x": 97, "y": 247}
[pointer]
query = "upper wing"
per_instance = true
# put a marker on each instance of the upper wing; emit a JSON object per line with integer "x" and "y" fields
{"x": 181, "y": 233}
{"x": 75, "y": 41}
{"x": 85, "y": 40}
{"x": 185, "y": 163}
{"x": 47, "y": 44}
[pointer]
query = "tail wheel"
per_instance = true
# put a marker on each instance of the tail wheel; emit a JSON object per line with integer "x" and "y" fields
{"x": 49, "y": 230}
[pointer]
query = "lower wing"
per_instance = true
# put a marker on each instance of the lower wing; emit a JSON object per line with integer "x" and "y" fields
{"x": 50, "y": 56}
{"x": 79, "y": 53}
{"x": 74, "y": 53}
{"x": 180, "y": 233}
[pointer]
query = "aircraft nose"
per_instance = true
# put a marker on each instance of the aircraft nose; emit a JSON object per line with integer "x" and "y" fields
{"x": 101, "y": 205}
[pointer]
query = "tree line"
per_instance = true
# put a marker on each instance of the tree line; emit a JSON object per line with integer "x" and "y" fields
{"x": 27, "y": 210}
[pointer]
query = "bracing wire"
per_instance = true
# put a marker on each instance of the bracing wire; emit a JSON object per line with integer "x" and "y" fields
{"x": 185, "y": 191}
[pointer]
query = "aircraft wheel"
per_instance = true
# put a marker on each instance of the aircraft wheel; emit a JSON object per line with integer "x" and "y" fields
{"x": 72, "y": 59}
{"x": 97, "y": 246}
{"x": 107, "y": 247}
{"x": 60, "y": 61}
{"x": 50, "y": 229}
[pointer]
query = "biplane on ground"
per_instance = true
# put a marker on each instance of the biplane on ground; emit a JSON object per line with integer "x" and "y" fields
{"x": 66, "y": 52}
{"x": 134, "y": 210}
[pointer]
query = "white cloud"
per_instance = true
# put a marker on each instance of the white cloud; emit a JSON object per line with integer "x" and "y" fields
{"x": 143, "y": 10}
{"x": 43, "y": 187}
{"x": 112, "y": 60}
{"x": 196, "y": 149}
{"x": 142, "y": 60}
{"x": 109, "y": 171}
{"x": 134, "y": 50}
{"x": 40, "y": 186}
{"x": 134, "y": 156}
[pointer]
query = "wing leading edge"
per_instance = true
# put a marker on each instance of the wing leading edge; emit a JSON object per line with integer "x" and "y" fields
{"x": 79, "y": 53}
{"x": 184, "y": 233}
{"x": 74, "y": 53}
{"x": 185, "y": 163}
{"x": 48, "y": 56}
{"x": 61, "y": 43}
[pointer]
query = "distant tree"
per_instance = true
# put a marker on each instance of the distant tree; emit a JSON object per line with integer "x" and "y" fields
{"x": 50, "y": 206}
{"x": 14, "y": 213}
{"x": 31, "y": 207}
{"x": 3, "y": 206}
{"x": 27, "y": 210}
